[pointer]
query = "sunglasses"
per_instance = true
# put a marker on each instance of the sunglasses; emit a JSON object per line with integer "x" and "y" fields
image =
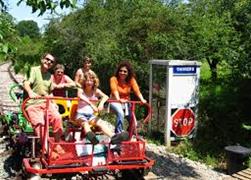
{"x": 49, "y": 60}
{"x": 124, "y": 71}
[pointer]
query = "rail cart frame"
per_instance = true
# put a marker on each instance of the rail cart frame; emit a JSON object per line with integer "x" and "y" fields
{"x": 129, "y": 156}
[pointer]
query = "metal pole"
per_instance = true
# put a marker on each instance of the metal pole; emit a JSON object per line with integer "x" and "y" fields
{"x": 168, "y": 110}
{"x": 150, "y": 96}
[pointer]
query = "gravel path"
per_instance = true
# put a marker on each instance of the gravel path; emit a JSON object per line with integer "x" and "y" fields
{"x": 167, "y": 165}
{"x": 173, "y": 167}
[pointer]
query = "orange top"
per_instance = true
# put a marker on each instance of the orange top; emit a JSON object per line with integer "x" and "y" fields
{"x": 124, "y": 89}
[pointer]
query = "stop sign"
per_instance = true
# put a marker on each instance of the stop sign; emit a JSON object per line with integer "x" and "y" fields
{"x": 183, "y": 121}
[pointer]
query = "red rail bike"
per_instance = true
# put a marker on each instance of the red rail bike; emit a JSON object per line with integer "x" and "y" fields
{"x": 82, "y": 157}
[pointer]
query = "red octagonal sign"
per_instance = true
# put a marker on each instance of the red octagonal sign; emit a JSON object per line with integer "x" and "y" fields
{"x": 183, "y": 121}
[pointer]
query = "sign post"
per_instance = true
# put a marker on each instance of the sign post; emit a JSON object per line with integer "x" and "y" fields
{"x": 173, "y": 94}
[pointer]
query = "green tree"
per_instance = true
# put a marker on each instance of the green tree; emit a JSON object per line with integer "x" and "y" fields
{"x": 28, "y": 28}
{"x": 8, "y": 36}
{"x": 43, "y": 6}
{"x": 7, "y": 30}
{"x": 211, "y": 33}
{"x": 28, "y": 53}
{"x": 114, "y": 30}
{"x": 240, "y": 13}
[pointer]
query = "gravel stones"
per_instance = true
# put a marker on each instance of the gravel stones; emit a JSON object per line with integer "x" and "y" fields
{"x": 171, "y": 166}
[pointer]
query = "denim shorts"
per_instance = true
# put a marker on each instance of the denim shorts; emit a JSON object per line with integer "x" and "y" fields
{"x": 85, "y": 116}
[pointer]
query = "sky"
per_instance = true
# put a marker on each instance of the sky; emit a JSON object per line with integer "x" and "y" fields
{"x": 23, "y": 12}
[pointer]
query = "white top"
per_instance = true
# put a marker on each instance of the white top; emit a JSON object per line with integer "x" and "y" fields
{"x": 84, "y": 107}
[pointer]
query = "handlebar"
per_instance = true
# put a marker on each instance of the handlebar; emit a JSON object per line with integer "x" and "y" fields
{"x": 133, "y": 105}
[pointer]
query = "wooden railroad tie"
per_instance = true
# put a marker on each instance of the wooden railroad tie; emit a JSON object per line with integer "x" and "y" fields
{"x": 243, "y": 175}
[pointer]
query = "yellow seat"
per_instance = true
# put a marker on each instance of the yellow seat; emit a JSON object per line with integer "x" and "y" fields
{"x": 73, "y": 110}
{"x": 64, "y": 107}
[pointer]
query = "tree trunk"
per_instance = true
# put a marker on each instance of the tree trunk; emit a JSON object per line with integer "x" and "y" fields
{"x": 213, "y": 68}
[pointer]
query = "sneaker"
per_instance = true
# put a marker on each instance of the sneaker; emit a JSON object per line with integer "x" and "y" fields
{"x": 118, "y": 138}
{"x": 116, "y": 148}
{"x": 92, "y": 137}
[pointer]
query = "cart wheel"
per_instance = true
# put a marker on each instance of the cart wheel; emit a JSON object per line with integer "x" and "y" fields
{"x": 122, "y": 174}
{"x": 140, "y": 173}
{"x": 34, "y": 177}
{"x": 133, "y": 174}
{"x": 129, "y": 174}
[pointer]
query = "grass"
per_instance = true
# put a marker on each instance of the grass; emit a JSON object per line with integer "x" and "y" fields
{"x": 186, "y": 149}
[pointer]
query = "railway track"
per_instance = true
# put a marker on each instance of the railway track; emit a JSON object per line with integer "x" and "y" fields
{"x": 8, "y": 161}
{"x": 7, "y": 78}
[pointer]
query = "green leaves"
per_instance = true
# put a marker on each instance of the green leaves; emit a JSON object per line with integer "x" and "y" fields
{"x": 43, "y": 5}
{"x": 8, "y": 36}
{"x": 28, "y": 28}
{"x": 5, "y": 48}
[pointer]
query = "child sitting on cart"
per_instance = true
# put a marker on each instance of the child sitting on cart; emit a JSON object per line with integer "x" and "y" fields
{"x": 87, "y": 110}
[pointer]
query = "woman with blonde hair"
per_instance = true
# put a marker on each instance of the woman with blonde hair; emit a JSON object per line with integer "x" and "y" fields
{"x": 87, "y": 109}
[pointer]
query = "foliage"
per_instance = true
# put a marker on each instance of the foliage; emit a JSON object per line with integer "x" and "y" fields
{"x": 186, "y": 148}
{"x": 247, "y": 127}
{"x": 3, "y": 6}
{"x": 7, "y": 31}
{"x": 8, "y": 36}
{"x": 28, "y": 54}
{"x": 242, "y": 22}
{"x": 212, "y": 33}
{"x": 66, "y": 45}
{"x": 114, "y": 30}
{"x": 43, "y": 6}
{"x": 155, "y": 137}
{"x": 28, "y": 28}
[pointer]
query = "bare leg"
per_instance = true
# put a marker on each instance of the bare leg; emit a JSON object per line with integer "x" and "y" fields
{"x": 86, "y": 126}
{"x": 89, "y": 134}
{"x": 100, "y": 123}
{"x": 115, "y": 138}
